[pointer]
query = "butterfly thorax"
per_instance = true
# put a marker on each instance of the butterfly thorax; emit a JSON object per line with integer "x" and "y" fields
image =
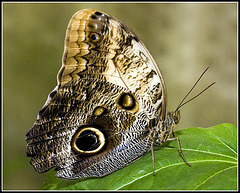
{"x": 162, "y": 130}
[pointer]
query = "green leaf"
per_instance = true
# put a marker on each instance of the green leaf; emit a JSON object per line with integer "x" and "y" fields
{"x": 212, "y": 153}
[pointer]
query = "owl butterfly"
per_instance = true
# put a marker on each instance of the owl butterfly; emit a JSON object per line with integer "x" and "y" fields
{"x": 109, "y": 107}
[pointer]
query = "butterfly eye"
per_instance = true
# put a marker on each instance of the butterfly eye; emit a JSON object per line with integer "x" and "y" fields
{"x": 88, "y": 141}
{"x": 94, "y": 37}
{"x": 176, "y": 117}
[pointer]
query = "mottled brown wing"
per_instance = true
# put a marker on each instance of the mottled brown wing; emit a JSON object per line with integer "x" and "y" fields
{"x": 100, "y": 46}
{"x": 75, "y": 106}
{"x": 110, "y": 94}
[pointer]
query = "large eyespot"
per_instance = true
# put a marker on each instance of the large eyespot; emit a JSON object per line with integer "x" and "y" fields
{"x": 88, "y": 140}
{"x": 128, "y": 102}
{"x": 94, "y": 37}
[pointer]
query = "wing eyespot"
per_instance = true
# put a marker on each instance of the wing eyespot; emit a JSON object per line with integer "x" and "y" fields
{"x": 128, "y": 102}
{"x": 88, "y": 140}
{"x": 94, "y": 37}
{"x": 99, "y": 111}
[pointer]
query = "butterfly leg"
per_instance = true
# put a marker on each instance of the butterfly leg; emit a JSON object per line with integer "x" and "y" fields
{"x": 153, "y": 159}
{"x": 180, "y": 149}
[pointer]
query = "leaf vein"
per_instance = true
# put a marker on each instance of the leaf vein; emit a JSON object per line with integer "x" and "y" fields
{"x": 180, "y": 163}
{"x": 219, "y": 154}
{"x": 213, "y": 176}
{"x": 226, "y": 145}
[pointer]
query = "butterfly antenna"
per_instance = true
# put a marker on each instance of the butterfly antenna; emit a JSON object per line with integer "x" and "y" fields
{"x": 183, "y": 103}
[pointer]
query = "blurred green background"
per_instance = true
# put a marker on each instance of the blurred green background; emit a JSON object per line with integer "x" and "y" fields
{"x": 184, "y": 39}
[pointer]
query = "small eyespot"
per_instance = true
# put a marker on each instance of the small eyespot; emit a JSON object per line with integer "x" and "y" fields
{"x": 98, "y": 111}
{"x": 94, "y": 37}
{"x": 128, "y": 102}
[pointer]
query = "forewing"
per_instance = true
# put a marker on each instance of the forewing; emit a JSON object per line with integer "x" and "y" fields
{"x": 102, "y": 47}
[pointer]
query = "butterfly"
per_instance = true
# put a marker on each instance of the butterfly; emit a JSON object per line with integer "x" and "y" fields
{"x": 109, "y": 106}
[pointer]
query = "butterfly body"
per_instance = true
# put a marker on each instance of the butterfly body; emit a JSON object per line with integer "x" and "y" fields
{"x": 109, "y": 106}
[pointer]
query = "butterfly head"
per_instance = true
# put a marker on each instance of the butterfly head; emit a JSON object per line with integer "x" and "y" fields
{"x": 175, "y": 116}
{"x": 172, "y": 119}
{"x": 161, "y": 130}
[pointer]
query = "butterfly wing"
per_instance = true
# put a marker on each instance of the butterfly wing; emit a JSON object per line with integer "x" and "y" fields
{"x": 101, "y": 46}
{"x": 75, "y": 107}
{"x": 96, "y": 120}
